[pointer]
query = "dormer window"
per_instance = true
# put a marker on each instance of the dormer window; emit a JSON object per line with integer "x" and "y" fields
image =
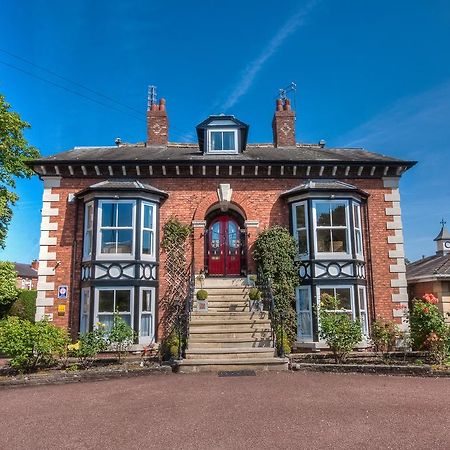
{"x": 222, "y": 135}
{"x": 222, "y": 140}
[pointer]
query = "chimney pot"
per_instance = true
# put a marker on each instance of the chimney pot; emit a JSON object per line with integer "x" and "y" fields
{"x": 157, "y": 124}
{"x": 283, "y": 124}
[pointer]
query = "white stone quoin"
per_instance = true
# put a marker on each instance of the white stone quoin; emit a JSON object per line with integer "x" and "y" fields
{"x": 47, "y": 260}
{"x": 397, "y": 257}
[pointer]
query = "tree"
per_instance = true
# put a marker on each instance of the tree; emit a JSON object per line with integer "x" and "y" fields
{"x": 14, "y": 152}
{"x": 8, "y": 291}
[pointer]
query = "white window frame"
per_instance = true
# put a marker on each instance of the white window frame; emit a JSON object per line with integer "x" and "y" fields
{"x": 145, "y": 340}
{"x": 339, "y": 286}
{"x": 302, "y": 337}
{"x": 152, "y": 255}
{"x": 85, "y": 309}
{"x": 332, "y": 255}
{"x": 214, "y": 130}
{"x": 365, "y": 321}
{"x": 116, "y": 256}
{"x": 295, "y": 229}
{"x": 88, "y": 255}
{"x": 357, "y": 209}
{"x": 113, "y": 288}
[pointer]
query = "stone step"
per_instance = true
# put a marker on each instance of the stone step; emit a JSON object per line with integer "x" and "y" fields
{"x": 231, "y": 352}
{"x": 227, "y": 315}
{"x": 215, "y": 326}
{"x": 228, "y": 308}
{"x": 212, "y": 282}
{"x": 212, "y": 293}
{"x": 228, "y": 332}
{"x": 215, "y": 365}
{"x": 225, "y": 304}
{"x": 227, "y": 320}
{"x": 199, "y": 341}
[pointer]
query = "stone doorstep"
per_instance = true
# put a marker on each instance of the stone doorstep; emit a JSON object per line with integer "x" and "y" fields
{"x": 230, "y": 353}
{"x": 215, "y": 365}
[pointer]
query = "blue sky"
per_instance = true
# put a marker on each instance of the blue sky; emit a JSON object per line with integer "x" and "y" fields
{"x": 374, "y": 74}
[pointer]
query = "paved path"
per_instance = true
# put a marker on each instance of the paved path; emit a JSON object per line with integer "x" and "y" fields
{"x": 267, "y": 411}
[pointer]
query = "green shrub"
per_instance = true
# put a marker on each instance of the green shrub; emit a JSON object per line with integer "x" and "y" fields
{"x": 89, "y": 345}
{"x": 254, "y": 294}
{"x": 31, "y": 345}
{"x": 275, "y": 253}
{"x": 202, "y": 294}
{"x": 340, "y": 332}
{"x": 428, "y": 328}
{"x": 170, "y": 346}
{"x": 121, "y": 336}
{"x": 384, "y": 335}
{"x": 8, "y": 290}
{"x": 25, "y": 305}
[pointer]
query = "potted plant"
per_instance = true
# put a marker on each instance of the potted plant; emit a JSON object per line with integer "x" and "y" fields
{"x": 202, "y": 302}
{"x": 254, "y": 294}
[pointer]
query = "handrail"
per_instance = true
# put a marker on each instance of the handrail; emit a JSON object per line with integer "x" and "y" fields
{"x": 264, "y": 284}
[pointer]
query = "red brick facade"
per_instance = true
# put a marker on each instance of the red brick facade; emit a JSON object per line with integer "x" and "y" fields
{"x": 189, "y": 200}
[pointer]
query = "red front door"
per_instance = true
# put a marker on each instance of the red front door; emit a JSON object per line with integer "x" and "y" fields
{"x": 224, "y": 247}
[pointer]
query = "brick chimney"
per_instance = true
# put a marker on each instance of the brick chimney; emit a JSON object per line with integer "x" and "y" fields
{"x": 35, "y": 264}
{"x": 157, "y": 124}
{"x": 283, "y": 124}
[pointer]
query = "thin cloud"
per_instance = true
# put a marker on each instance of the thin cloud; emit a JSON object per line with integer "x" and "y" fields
{"x": 410, "y": 124}
{"x": 249, "y": 74}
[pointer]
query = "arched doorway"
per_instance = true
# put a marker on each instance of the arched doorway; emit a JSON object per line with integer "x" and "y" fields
{"x": 225, "y": 245}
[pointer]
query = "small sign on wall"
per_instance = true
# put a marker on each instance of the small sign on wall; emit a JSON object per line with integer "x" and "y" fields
{"x": 62, "y": 292}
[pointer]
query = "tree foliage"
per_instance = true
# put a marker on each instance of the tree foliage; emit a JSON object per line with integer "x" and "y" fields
{"x": 14, "y": 152}
{"x": 275, "y": 252}
{"x": 8, "y": 290}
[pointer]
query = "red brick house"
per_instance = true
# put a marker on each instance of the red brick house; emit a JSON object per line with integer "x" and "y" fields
{"x": 27, "y": 275}
{"x": 431, "y": 274}
{"x": 104, "y": 209}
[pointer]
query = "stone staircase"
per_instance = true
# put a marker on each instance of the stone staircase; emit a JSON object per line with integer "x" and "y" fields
{"x": 228, "y": 336}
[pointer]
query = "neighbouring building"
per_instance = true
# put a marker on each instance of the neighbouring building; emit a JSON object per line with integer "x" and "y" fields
{"x": 431, "y": 274}
{"x": 27, "y": 275}
{"x": 104, "y": 209}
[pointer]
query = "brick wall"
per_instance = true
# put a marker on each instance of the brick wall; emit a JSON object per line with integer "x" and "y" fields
{"x": 189, "y": 200}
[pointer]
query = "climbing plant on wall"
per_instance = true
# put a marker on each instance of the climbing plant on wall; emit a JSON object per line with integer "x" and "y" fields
{"x": 175, "y": 246}
{"x": 275, "y": 252}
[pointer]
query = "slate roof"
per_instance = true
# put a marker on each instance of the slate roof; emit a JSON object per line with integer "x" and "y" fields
{"x": 433, "y": 267}
{"x": 25, "y": 270}
{"x": 321, "y": 185}
{"x": 122, "y": 185}
{"x": 301, "y": 153}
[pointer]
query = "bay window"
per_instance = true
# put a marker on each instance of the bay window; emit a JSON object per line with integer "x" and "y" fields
{"x": 113, "y": 300}
{"x": 148, "y": 230}
{"x": 300, "y": 222}
{"x": 88, "y": 230}
{"x": 147, "y": 315}
{"x": 357, "y": 230}
{"x": 331, "y": 231}
{"x": 344, "y": 294}
{"x": 85, "y": 309}
{"x": 116, "y": 220}
{"x": 304, "y": 313}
